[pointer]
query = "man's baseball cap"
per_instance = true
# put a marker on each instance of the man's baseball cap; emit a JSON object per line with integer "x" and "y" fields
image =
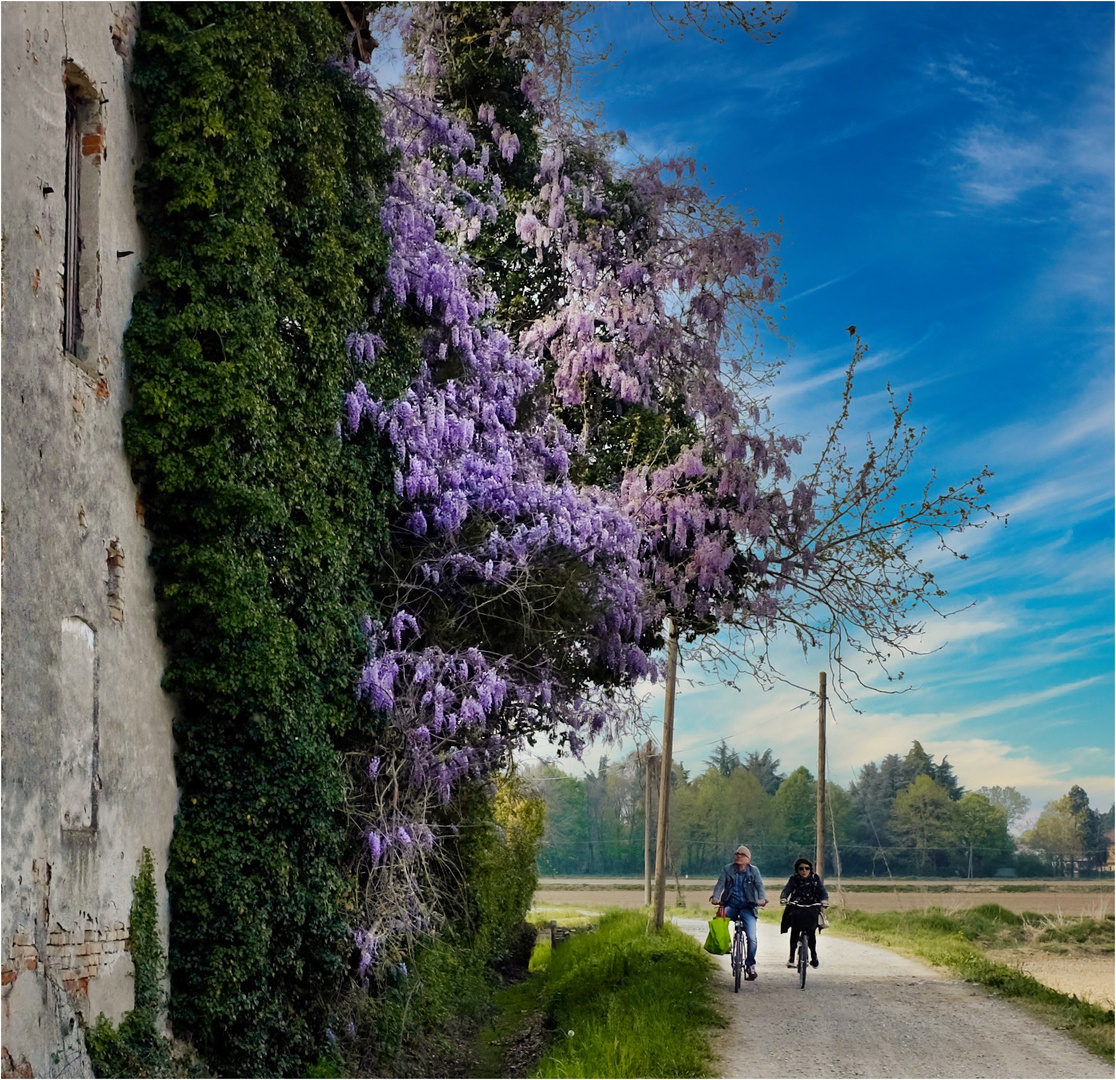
{"x": 742, "y": 850}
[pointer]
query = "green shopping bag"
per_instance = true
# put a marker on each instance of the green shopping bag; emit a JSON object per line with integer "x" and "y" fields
{"x": 719, "y": 940}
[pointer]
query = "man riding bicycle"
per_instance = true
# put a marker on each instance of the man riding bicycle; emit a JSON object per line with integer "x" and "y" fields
{"x": 739, "y": 890}
{"x": 804, "y": 895}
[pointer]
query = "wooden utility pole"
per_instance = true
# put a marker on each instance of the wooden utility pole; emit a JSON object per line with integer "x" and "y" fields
{"x": 819, "y": 858}
{"x": 648, "y": 783}
{"x": 664, "y": 775}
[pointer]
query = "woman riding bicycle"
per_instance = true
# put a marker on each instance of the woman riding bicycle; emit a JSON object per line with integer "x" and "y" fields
{"x": 804, "y": 895}
{"x": 739, "y": 890}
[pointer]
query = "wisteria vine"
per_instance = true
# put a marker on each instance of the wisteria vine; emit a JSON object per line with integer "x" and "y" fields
{"x": 522, "y": 602}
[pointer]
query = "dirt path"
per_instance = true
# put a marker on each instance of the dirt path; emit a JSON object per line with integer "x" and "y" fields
{"x": 870, "y": 1012}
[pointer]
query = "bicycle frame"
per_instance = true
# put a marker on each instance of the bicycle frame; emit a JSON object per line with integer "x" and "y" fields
{"x": 803, "y": 946}
{"x": 803, "y": 960}
{"x": 737, "y": 953}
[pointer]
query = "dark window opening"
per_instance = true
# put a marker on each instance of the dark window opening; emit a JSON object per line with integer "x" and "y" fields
{"x": 71, "y": 316}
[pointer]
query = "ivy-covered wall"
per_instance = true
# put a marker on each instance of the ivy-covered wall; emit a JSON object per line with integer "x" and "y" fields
{"x": 259, "y": 195}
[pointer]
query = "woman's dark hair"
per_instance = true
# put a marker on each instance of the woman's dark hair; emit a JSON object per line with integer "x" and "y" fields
{"x": 803, "y": 862}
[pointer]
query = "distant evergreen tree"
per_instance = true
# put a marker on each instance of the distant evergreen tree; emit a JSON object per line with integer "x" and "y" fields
{"x": 943, "y": 774}
{"x": 764, "y": 767}
{"x": 724, "y": 759}
{"x": 873, "y": 795}
{"x": 919, "y": 763}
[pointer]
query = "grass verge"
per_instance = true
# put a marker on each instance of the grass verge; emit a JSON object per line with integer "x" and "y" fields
{"x": 953, "y": 941}
{"x": 626, "y": 1001}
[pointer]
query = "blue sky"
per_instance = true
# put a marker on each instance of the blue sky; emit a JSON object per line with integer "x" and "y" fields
{"x": 942, "y": 177}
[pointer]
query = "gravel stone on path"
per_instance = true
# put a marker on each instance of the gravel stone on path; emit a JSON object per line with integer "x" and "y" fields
{"x": 869, "y": 1012}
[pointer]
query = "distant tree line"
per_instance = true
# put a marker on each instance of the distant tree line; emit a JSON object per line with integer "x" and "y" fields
{"x": 905, "y": 815}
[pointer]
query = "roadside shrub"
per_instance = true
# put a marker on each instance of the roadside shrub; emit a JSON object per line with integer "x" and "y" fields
{"x": 1084, "y": 931}
{"x": 495, "y": 848}
{"x": 989, "y": 921}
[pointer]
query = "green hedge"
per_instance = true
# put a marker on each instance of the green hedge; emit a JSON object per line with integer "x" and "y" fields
{"x": 259, "y": 196}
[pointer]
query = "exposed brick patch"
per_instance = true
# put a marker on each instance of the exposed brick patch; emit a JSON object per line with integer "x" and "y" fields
{"x": 93, "y": 144}
{"x": 75, "y": 954}
{"x": 115, "y": 583}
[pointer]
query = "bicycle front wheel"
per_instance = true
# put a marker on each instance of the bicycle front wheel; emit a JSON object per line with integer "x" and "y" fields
{"x": 802, "y": 963}
{"x": 737, "y": 960}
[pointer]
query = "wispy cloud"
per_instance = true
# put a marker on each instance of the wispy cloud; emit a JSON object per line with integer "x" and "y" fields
{"x": 1008, "y": 154}
{"x": 996, "y": 167}
{"x": 959, "y": 72}
{"x": 818, "y": 288}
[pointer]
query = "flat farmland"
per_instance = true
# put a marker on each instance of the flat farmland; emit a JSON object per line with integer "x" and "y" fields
{"x": 1043, "y": 897}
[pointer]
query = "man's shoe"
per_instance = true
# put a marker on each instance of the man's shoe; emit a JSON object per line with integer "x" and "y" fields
{"x": 813, "y": 961}
{"x": 750, "y": 973}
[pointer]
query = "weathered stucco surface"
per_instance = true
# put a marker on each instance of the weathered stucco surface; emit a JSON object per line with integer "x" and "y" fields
{"x": 88, "y": 772}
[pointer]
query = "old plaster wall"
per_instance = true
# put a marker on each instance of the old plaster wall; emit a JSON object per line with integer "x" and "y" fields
{"x": 88, "y": 772}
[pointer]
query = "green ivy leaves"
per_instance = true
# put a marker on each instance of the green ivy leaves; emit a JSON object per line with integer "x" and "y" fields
{"x": 264, "y": 161}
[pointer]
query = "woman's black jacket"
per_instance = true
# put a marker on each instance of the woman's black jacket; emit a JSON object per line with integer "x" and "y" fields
{"x": 800, "y": 890}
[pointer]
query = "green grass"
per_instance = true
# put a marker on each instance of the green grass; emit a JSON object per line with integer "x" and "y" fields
{"x": 626, "y": 1001}
{"x": 955, "y": 941}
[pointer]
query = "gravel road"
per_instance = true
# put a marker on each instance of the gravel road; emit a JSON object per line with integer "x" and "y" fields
{"x": 870, "y": 1012}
